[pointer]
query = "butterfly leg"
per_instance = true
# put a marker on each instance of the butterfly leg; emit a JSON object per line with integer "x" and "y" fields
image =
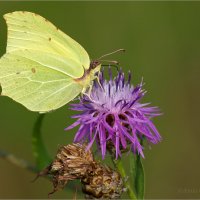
{"x": 98, "y": 81}
{"x": 87, "y": 92}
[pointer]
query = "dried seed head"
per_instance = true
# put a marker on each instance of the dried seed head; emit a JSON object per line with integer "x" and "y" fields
{"x": 103, "y": 184}
{"x": 74, "y": 162}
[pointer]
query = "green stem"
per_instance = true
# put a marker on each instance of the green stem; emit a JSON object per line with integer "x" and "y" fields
{"x": 119, "y": 165}
{"x": 39, "y": 149}
{"x": 21, "y": 163}
{"x": 11, "y": 158}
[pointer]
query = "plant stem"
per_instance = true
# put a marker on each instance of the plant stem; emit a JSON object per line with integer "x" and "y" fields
{"x": 21, "y": 163}
{"x": 39, "y": 149}
{"x": 119, "y": 165}
{"x": 11, "y": 158}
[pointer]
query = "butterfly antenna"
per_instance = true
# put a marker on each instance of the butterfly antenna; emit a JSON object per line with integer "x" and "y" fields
{"x": 108, "y": 54}
{"x": 110, "y": 61}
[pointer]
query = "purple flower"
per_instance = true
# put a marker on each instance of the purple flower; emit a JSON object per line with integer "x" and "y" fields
{"x": 113, "y": 114}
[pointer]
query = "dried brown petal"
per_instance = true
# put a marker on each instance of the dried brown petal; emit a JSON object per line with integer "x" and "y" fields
{"x": 104, "y": 184}
{"x": 74, "y": 162}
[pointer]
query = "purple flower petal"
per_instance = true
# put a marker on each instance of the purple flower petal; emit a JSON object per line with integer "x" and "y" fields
{"x": 73, "y": 125}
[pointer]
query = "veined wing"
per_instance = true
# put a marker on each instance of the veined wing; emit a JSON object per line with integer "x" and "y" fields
{"x": 34, "y": 85}
{"x": 30, "y": 31}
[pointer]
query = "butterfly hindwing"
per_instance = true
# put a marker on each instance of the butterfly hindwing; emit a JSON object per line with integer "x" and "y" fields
{"x": 37, "y": 87}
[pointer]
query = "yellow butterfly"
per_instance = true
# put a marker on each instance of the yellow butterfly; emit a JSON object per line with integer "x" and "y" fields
{"x": 43, "y": 68}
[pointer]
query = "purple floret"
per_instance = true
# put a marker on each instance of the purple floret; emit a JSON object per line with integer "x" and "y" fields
{"x": 113, "y": 114}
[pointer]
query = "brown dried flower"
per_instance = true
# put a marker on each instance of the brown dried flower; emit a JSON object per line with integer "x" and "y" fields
{"x": 74, "y": 162}
{"x": 104, "y": 183}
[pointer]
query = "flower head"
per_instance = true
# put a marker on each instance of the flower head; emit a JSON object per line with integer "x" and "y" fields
{"x": 74, "y": 162}
{"x": 114, "y": 115}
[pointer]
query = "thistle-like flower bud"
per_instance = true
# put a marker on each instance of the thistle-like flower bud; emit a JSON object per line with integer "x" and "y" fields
{"x": 75, "y": 162}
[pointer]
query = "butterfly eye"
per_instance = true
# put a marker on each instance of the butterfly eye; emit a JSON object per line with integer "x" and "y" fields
{"x": 94, "y": 64}
{"x": 96, "y": 73}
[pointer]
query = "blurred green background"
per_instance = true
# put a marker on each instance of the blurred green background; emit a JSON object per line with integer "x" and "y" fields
{"x": 162, "y": 42}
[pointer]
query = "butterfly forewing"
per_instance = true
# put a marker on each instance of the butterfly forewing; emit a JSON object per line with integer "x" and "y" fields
{"x": 30, "y": 31}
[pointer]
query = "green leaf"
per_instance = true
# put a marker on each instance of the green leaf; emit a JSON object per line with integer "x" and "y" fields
{"x": 119, "y": 166}
{"x": 132, "y": 166}
{"x": 137, "y": 174}
{"x": 139, "y": 178}
{"x": 39, "y": 150}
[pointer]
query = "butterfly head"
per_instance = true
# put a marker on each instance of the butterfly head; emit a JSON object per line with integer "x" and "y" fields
{"x": 94, "y": 69}
{"x": 94, "y": 64}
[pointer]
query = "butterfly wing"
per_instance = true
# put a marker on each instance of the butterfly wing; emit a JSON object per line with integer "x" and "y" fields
{"x": 41, "y": 63}
{"x": 28, "y": 30}
{"x": 34, "y": 84}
